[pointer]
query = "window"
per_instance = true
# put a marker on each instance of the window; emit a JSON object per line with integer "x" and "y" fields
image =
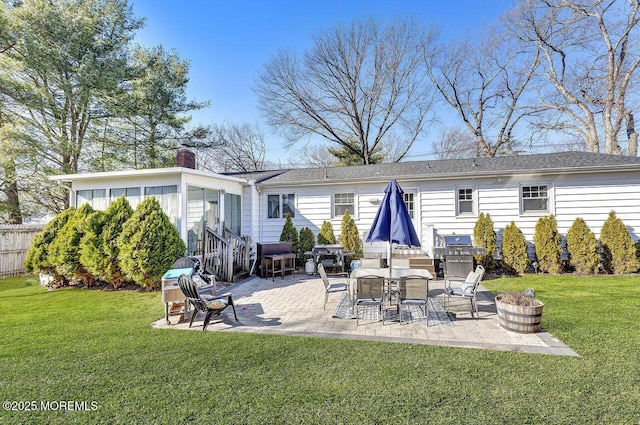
{"x": 465, "y": 201}
{"x": 131, "y": 194}
{"x": 167, "y": 196}
{"x": 343, "y": 202}
{"x": 409, "y": 202}
{"x": 97, "y": 198}
{"x": 535, "y": 198}
{"x": 285, "y": 203}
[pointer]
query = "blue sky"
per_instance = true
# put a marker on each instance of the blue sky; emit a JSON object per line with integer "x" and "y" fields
{"x": 228, "y": 43}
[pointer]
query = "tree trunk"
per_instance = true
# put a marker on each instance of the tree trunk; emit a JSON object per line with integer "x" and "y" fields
{"x": 11, "y": 192}
{"x": 632, "y": 135}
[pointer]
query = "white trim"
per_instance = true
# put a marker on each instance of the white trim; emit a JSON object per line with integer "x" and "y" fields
{"x": 550, "y": 199}
{"x": 355, "y": 204}
{"x": 474, "y": 200}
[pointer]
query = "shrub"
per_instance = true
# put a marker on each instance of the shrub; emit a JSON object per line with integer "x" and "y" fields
{"x": 349, "y": 236}
{"x": 290, "y": 234}
{"x": 548, "y": 244}
{"x": 326, "y": 235}
{"x": 307, "y": 241}
{"x": 618, "y": 250}
{"x": 515, "y": 257}
{"x": 149, "y": 245}
{"x": 38, "y": 258}
{"x": 583, "y": 247}
{"x": 99, "y": 251}
{"x": 65, "y": 249}
{"x": 484, "y": 236}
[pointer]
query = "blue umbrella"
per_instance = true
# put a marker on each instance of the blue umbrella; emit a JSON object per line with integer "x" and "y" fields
{"x": 393, "y": 223}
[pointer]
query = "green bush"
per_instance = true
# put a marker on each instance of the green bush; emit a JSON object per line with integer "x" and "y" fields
{"x": 99, "y": 251}
{"x": 307, "y": 241}
{"x": 290, "y": 234}
{"x": 484, "y": 236}
{"x": 149, "y": 245}
{"x": 38, "y": 258}
{"x": 515, "y": 257}
{"x": 65, "y": 249}
{"x": 548, "y": 244}
{"x": 618, "y": 250}
{"x": 582, "y": 247}
{"x": 326, "y": 235}
{"x": 349, "y": 236}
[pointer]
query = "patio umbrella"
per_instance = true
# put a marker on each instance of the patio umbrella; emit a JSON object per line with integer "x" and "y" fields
{"x": 393, "y": 223}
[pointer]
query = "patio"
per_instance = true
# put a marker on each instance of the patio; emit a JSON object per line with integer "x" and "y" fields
{"x": 293, "y": 306}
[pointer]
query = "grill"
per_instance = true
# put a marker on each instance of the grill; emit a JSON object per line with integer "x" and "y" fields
{"x": 458, "y": 255}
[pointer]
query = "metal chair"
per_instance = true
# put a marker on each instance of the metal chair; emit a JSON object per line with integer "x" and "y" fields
{"x": 467, "y": 289}
{"x": 413, "y": 291}
{"x": 369, "y": 293}
{"x": 212, "y": 306}
{"x": 329, "y": 287}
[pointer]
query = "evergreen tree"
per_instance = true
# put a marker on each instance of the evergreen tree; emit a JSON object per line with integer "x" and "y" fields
{"x": 326, "y": 235}
{"x": 38, "y": 257}
{"x": 484, "y": 236}
{"x": 307, "y": 241}
{"x": 548, "y": 244}
{"x": 149, "y": 245}
{"x": 618, "y": 250}
{"x": 290, "y": 234}
{"x": 349, "y": 236}
{"x": 515, "y": 257}
{"x": 65, "y": 249}
{"x": 582, "y": 247}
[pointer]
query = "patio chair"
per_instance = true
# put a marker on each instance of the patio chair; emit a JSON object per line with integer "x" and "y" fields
{"x": 211, "y": 305}
{"x": 369, "y": 293}
{"x": 329, "y": 287}
{"x": 413, "y": 291}
{"x": 466, "y": 289}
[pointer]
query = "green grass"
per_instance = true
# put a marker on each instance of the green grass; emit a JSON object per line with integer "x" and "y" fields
{"x": 83, "y": 345}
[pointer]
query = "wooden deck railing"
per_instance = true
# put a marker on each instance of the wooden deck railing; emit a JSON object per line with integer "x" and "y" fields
{"x": 225, "y": 254}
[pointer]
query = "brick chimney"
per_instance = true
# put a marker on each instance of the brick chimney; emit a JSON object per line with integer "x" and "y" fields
{"x": 186, "y": 159}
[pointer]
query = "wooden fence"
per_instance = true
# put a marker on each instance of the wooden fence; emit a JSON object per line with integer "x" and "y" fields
{"x": 15, "y": 240}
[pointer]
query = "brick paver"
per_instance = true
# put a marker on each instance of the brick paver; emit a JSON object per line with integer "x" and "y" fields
{"x": 293, "y": 306}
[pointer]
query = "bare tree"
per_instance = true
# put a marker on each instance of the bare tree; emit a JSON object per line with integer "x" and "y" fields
{"x": 317, "y": 156}
{"x": 232, "y": 147}
{"x": 364, "y": 82}
{"x": 591, "y": 55}
{"x": 484, "y": 79}
{"x": 456, "y": 143}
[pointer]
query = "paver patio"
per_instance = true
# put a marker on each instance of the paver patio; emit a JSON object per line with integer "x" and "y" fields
{"x": 293, "y": 306}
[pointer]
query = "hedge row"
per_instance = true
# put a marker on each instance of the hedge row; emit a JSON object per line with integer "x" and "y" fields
{"x": 115, "y": 246}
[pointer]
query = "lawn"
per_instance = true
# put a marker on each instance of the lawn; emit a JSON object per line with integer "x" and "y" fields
{"x": 94, "y": 346}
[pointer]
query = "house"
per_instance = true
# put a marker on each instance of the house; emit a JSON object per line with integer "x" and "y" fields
{"x": 443, "y": 196}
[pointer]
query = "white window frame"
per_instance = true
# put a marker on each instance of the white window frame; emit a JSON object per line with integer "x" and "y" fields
{"x": 412, "y": 210}
{"x": 333, "y": 204}
{"x": 280, "y": 195}
{"x": 474, "y": 201}
{"x": 549, "y": 198}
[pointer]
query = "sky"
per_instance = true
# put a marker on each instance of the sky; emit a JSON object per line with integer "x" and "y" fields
{"x": 229, "y": 42}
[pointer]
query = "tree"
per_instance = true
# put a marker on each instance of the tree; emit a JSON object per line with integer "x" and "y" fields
{"x": 67, "y": 56}
{"x": 485, "y": 80}
{"x": 582, "y": 247}
{"x": 363, "y": 83}
{"x": 590, "y": 63}
{"x": 65, "y": 248}
{"x": 99, "y": 249}
{"x": 326, "y": 235}
{"x": 350, "y": 237}
{"x": 618, "y": 250}
{"x": 233, "y": 147}
{"x": 290, "y": 234}
{"x": 149, "y": 245}
{"x": 515, "y": 257}
{"x": 548, "y": 244}
{"x": 484, "y": 236}
{"x": 39, "y": 258}
{"x": 455, "y": 143}
{"x": 307, "y": 241}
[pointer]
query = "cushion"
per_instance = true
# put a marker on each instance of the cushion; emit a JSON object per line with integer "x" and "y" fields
{"x": 216, "y": 304}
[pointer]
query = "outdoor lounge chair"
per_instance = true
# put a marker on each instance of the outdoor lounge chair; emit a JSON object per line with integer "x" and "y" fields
{"x": 211, "y": 305}
{"x": 369, "y": 293}
{"x": 330, "y": 288}
{"x": 413, "y": 291}
{"x": 466, "y": 289}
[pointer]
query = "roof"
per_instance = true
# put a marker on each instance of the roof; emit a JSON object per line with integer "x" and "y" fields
{"x": 144, "y": 172}
{"x": 562, "y": 162}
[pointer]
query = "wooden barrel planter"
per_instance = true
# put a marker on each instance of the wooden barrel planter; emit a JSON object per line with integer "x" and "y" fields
{"x": 519, "y": 318}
